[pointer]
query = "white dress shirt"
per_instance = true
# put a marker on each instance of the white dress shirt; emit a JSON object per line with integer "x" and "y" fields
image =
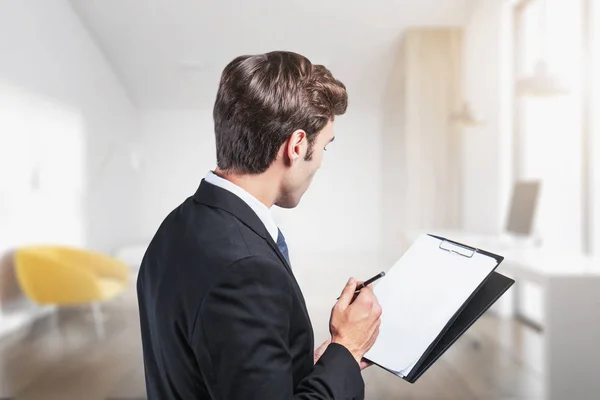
{"x": 262, "y": 211}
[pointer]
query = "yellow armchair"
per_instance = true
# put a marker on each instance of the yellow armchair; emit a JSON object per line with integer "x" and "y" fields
{"x": 59, "y": 275}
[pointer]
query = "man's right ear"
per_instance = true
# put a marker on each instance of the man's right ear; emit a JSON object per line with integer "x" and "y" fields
{"x": 297, "y": 145}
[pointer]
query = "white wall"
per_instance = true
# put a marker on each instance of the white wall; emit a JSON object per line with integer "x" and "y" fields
{"x": 421, "y": 158}
{"x": 340, "y": 212}
{"x": 487, "y": 150}
{"x": 61, "y": 108}
{"x": 177, "y": 148}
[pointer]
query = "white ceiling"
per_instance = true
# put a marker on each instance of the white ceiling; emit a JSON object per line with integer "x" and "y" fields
{"x": 169, "y": 54}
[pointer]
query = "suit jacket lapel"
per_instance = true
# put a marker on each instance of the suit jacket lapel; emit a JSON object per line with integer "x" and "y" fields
{"x": 217, "y": 197}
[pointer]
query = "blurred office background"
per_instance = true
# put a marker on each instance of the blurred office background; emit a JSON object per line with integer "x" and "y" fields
{"x": 476, "y": 119}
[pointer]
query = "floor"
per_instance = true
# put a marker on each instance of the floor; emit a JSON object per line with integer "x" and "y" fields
{"x": 62, "y": 359}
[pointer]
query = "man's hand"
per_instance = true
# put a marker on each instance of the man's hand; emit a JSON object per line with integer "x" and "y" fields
{"x": 355, "y": 325}
{"x": 321, "y": 349}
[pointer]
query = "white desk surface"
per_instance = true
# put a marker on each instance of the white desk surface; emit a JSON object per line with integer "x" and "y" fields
{"x": 523, "y": 259}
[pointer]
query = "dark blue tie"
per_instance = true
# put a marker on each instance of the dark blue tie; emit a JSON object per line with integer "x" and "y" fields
{"x": 283, "y": 246}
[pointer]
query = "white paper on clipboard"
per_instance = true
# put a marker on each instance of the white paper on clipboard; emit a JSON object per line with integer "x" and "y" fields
{"x": 419, "y": 296}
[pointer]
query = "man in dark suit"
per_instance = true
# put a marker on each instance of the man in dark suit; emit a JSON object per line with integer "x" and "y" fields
{"x": 222, "y": 315}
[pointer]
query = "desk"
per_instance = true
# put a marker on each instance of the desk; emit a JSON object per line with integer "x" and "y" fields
{"x": 571, "y": 306}
{"x": 571, "y": 300}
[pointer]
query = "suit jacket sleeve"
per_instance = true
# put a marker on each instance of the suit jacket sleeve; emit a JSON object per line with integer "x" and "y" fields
{"x": 244, "y": 324}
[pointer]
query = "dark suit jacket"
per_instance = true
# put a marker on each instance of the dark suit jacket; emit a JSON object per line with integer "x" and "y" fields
{"x": 222, "y": 316}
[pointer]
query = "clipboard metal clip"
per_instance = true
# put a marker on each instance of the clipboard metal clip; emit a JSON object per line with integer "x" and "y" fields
{"x": 456, "y": 248}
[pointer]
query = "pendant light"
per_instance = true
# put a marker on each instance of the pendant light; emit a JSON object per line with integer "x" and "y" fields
{"x": 542, "y": 83}
{"x": 466, "y": 117}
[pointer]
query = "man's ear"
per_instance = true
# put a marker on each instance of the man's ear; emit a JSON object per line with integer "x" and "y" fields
{"x": 296, "y": 146}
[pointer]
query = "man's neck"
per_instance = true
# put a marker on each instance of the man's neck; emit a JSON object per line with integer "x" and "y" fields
{"x": 264, "y": 187}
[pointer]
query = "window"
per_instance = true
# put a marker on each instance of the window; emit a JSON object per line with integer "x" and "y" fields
{"x": 550, "y": 129}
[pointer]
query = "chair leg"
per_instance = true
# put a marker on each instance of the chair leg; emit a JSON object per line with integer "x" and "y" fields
{"x": 54, "y": 323}
{"x": 98, "y": 320}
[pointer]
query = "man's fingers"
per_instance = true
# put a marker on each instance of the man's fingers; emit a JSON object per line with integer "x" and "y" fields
{"x": 347, "y": 293}
{"x": 366, "y": 296}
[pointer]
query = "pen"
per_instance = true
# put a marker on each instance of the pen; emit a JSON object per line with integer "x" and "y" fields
{"x": 368, "y": 282}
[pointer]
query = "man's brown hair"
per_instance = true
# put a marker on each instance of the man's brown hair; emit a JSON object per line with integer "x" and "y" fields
{"x": 262, "y": 99}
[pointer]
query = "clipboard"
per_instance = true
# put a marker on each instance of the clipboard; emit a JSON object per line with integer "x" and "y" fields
{"x": 480, "y": 286}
